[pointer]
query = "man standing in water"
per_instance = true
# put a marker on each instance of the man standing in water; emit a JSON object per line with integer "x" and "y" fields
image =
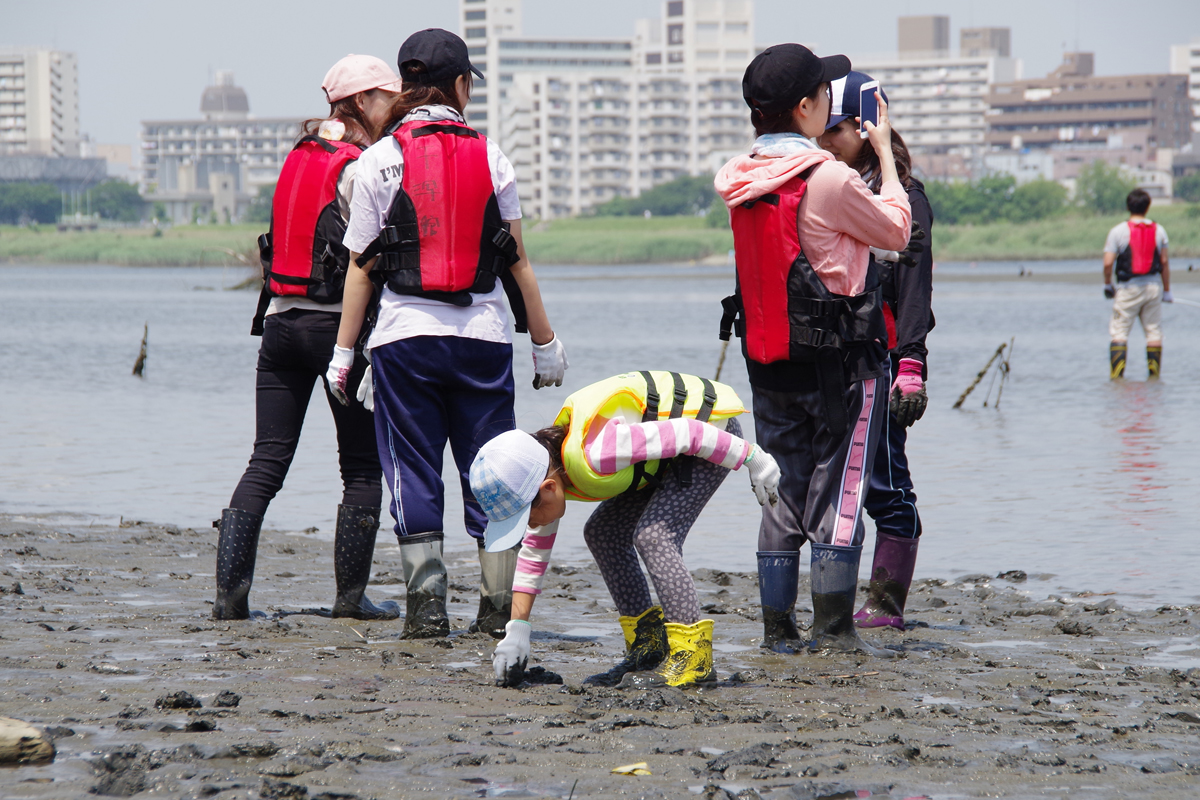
{"x": 1138, "y": 248}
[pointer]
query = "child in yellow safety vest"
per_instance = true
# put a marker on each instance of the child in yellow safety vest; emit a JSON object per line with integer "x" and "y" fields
{"x": 612, "y": 442}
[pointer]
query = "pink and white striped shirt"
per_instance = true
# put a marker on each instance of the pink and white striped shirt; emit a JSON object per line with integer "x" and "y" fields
{"x": 617, "y": 445}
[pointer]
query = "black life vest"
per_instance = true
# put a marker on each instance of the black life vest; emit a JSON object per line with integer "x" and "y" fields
{"x": 444, "y": 238}
{"x": 783, "y": 311}
{"x": 302, "y": 255}
{"x": 1141, "y": 257}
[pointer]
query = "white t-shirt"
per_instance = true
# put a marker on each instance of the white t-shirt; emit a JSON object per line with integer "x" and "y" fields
{"x": 405, "y": 316}
{"x": 345, "y": 195}
{"x": 1117, "y": 242}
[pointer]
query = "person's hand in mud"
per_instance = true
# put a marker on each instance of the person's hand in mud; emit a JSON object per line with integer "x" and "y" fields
{"x": 512, "y": 654}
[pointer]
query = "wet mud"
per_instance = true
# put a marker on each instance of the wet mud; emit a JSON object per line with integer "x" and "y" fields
{"x": 999, "y": 690}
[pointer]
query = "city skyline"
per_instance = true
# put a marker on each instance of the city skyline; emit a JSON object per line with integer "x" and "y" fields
{"x": 282, "y": 75}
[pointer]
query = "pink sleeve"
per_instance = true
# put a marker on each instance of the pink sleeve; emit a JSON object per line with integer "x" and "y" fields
{"x": 883, "y": 221}
{"x": 620, "y": 444}
{"x": 534, "y": 558}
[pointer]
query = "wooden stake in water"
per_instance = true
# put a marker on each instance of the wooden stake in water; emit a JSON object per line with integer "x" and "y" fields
{"x": 958, "y": 403}
{"x": 1005, "y": 368}
{"x": 140, "y": 364}
{"x": 721, "y": 360}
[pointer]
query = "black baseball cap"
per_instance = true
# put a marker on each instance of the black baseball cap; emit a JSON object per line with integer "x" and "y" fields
{"x": 784, "y": 74}
{"x": 443, "y": 53}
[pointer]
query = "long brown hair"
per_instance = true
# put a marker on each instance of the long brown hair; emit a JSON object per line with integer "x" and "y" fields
{"x": 416, "y": 95}
{"x": 867, "y": 163}
{"x": 358, "y": 130}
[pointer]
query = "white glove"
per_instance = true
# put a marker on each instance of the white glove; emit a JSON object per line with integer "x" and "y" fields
{"x": 339, "y": 373}
{"x": 366, "y": 394}
{"x": 764, "y": 476}
{"x": 884, "y": 255}
{"x": 549, "y": 363}
{"x": 1168, "y": 297}
{"x": 512, "y": 654}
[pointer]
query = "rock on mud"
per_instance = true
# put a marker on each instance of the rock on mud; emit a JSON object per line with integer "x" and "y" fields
{"x": 21, "y": 743}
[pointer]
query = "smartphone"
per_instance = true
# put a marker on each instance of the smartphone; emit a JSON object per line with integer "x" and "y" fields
{"x": 868, "y": 106}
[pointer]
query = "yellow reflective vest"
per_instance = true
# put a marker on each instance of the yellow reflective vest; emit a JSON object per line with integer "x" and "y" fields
{"x": 635, "y": 397}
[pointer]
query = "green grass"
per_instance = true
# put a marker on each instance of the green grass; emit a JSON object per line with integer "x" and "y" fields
{"x": 1066, "y": 236}
{"x": 624, "y": 240}
{"x": 181, "y": 246}
{"x": 596, "y": 240}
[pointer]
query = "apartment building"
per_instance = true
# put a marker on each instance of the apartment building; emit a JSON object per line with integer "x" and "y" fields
{"x": 214, "y": 164}
{"x": 1079, "y": 117}
{"x": 39, "y": 103}
{"x": 587, "y": 120}
{"x": 1185, "y": 60}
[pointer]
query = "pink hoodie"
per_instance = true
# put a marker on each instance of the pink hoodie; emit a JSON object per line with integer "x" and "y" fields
{"x": 839, "y": 217}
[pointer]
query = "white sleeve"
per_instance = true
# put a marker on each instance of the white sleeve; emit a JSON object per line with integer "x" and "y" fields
{"x": 1111, "y": 245}
{"x": 504, "y": 181}
{"x": 1161, "y": 236}
{"x": 345, "y": 189}
{"x": 376, "y": 181}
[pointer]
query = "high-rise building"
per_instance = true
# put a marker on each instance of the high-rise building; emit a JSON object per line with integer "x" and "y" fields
{"x": 1185, "y": 60}
{"x": 976, "y": 42}
{"x": 587, "y": 120}
{"x": 923, "y": 37}
{"x": 39, "y": 102}
{"x": 214, "y": 164}
{"x": 1080, "y": 118}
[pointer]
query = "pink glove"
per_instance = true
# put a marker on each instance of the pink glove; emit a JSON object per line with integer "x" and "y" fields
{"x": 908, "y": 392}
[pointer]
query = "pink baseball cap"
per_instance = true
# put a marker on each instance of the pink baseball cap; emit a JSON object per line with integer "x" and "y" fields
{"x": 354, "y": 74}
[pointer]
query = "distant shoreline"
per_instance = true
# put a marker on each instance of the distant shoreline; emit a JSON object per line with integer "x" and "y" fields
{"x": 590, "y": 241}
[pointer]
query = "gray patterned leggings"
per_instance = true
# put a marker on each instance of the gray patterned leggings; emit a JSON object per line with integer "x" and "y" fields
{"x": 653, "y": 524}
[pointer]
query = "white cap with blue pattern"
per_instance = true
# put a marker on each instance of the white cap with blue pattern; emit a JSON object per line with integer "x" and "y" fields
{"x": 505, "y": 477}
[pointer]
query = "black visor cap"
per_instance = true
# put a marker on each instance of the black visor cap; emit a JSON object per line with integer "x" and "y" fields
{"x": 784, "y": 74}
{"x": 443, "y": 53}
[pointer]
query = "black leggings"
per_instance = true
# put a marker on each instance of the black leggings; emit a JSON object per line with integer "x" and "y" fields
{"x": 296, "y": 348}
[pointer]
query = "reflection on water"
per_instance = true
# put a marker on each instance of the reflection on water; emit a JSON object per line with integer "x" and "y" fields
{"x": 1085, "y": 480}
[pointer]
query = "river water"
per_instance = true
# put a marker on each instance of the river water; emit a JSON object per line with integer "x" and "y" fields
{"x": 1084, "y": 483}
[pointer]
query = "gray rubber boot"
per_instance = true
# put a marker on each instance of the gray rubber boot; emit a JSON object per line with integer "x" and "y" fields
{"x": 353, "y": 548}
{"x": 834, "y": 577}
{"x": 237, "y": 547}
{"x": 496, "y": 572}
{"x": 425, "y": 578}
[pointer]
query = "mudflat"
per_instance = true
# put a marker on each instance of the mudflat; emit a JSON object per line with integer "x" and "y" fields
{"x": 1001, "y": 690}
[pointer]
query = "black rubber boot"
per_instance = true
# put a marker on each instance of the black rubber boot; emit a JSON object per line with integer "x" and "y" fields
{"x": 778, "y": 582}
{"x": 496, "y": 572}
{"x": 834, "y": 576}
{"x": 353, "y": 548}
{"x": 1116, "y": 360}
{"x": 237, "y": 547}
{"x": 425, "y": 579}
{"x": 645, "y": 646}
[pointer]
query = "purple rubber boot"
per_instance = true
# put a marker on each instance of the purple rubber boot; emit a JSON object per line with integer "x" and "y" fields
{"x": 891, "y": 575}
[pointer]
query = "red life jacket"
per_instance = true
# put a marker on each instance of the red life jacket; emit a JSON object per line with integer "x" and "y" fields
{"x": 1141, "y": 257}
{"x": 304, "y": 255}
{"x": 787, "y": 313}
{"x": 444, "y": 238}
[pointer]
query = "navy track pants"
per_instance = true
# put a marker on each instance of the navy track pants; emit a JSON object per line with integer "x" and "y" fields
{"x": 430, "y": 390}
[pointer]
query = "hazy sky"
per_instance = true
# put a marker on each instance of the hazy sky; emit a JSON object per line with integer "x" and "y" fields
{"x": 151, "y": 60}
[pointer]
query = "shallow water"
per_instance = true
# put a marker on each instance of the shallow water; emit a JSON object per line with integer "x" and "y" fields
{"x": 1083, "y": 483}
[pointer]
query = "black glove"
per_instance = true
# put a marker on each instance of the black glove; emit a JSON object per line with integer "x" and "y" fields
{"x": 1109, "y": 291}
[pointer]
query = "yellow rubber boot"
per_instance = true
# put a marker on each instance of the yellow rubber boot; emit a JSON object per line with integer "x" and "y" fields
{"x": 1154, "y": 359}
{"x": 690, "y": 661}
{"x": 645, "y": 646}
{"x": 1116, "y": 360}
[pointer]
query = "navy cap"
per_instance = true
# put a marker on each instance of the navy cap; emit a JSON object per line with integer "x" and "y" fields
{"x": 443, "y": 54}
{"x": 846, "y": 92}
{"x": 784, "y": 74}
